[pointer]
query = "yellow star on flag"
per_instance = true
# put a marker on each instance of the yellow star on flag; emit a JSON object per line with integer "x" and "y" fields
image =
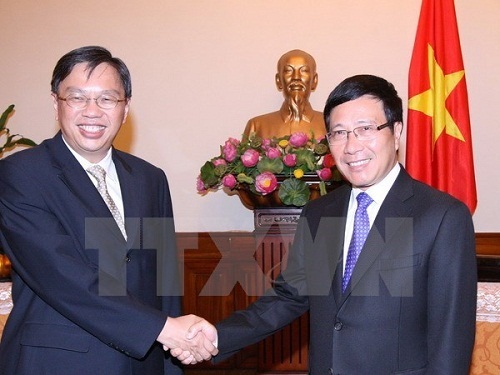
{"x": 433, "y": 101}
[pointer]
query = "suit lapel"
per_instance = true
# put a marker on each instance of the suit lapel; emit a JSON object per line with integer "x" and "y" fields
{"x": 131, "y": 193}
{"x": 334, "y": 238}
{"x": 395, "y": 206}
{"x": 76, "y": 179}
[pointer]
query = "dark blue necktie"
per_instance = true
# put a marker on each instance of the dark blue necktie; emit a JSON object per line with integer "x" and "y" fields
{"x": 359, "y": 234}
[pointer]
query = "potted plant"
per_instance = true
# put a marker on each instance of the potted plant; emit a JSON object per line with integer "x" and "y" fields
{"x": 9, "y": 141}
{"x": 287, "y": 171}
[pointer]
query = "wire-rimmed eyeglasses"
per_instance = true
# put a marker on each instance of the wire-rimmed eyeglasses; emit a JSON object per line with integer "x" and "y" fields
{"x": 78, "y": 101}
{"x": 362, "y": 133}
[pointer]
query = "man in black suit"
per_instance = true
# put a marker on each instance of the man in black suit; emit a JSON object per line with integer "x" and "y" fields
{"x": 409, "y": 304}
{"x": 90, "y": 234}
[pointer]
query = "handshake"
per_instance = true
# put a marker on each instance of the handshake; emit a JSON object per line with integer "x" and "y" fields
{"x": 189, "y": 338}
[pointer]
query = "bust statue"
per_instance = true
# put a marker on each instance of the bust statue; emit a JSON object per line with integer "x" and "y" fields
{"x": 296, "y": 78}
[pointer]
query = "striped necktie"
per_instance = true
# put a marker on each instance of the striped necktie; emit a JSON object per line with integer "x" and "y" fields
{"x": 100, "y": 175}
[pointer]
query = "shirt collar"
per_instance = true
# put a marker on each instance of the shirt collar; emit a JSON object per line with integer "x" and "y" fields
{"x": 379, "y": 191}
{"x": 106, "y": 162}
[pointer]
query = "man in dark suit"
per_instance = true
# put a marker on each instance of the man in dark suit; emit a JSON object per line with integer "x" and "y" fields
{"x": 94, "y": 283}
{"x": 409, "y": 304}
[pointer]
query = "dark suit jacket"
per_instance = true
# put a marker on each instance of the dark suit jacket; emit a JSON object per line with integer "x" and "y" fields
{"x": 85, "y": 300}
{"x": 411, "y": 303}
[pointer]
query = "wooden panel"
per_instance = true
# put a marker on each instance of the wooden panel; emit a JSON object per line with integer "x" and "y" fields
{"x": 219, "y": 278}
{"x": 287, "y": 349}
{"x": 243, "y": 265}
{"x": 488, "y": 244}
{"x": 199, "y": 267}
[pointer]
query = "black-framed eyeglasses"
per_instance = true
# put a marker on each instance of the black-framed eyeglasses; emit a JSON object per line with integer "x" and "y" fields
{"x": 79, "y": 101}
{"x": 362, "y": 133}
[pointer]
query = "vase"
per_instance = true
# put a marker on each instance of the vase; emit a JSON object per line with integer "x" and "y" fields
{"x": 5, "y": 267}
{"x": 254, "y": 201}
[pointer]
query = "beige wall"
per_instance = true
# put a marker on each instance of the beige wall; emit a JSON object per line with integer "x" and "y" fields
{"x": 201, "y": 69}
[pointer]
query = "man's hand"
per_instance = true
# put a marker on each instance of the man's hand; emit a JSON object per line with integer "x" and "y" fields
{"x": 200, "y": 328}
{"x": 188, "y": 345}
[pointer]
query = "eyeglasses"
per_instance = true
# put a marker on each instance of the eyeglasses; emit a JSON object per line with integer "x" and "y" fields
{"x": 362, "y": 133}
{"x": 78, "y": 101}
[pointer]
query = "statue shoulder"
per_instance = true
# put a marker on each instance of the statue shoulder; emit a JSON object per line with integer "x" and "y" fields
{"x": 263, "y": 125}
{"x": 267, "y": 118}
{"x": 318, "y": 117}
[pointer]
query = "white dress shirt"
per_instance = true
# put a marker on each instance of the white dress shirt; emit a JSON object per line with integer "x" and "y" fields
{"x": 112, "y": 182}
{"x": 378, "y": 193}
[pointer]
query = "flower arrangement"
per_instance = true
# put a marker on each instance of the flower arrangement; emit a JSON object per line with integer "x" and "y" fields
{"x": 265, "y": 166}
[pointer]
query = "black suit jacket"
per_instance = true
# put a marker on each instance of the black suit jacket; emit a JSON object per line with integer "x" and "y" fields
{"x": 85, "y": 300}
{"x": 411, "y": 303}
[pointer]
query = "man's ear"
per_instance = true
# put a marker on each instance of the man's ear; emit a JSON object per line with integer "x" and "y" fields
{"x": 279, "y": 84}
{"x": 314, "y": 82}
{"x": 55, "y": 104}
{"x": 398, "y": 131}
{"x": 127, "y": 107}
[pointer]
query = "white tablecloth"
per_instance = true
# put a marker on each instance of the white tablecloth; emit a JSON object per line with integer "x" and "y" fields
{"x": 488, "y": 302}
{"x": 5, "y": 298}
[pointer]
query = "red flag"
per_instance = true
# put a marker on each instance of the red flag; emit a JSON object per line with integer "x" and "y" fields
{"x": 439, "y": 143}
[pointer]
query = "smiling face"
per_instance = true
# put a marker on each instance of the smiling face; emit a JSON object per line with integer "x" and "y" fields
{"x": 91, "y": 131}
{"x": 364, "y": 163}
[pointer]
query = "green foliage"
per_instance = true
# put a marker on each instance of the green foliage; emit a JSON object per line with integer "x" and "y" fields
{"x": 270, "y": 165}
{"x": 294, "y": 192}
{"x": 10, "y": 140}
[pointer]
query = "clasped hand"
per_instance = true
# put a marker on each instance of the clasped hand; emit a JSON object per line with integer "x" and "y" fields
{"x": 189, "y": 338}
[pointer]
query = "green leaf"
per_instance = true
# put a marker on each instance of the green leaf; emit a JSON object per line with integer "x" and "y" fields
{"x": 243, "y": 178}
{"x": 236, "y": 167}
{"x": 270, "y": 165}
{"x": 293, "y": 192}
{"x": 24, "y": 141}
{"x": 321, "y": 149}
{"x": 322, "y": 188}
{"x": 11, "y": 140}
{"x": 336, "y": 175}
{"x": 207, "y": 174}
{"x": 5, "y": 116}
{"x": 306, "y": 160}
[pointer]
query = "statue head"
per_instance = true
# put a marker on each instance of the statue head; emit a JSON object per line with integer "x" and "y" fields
{"x": 296, "y": 76}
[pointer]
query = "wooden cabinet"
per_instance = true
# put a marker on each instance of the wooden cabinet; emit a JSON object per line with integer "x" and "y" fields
{"x": 226, "y": 271}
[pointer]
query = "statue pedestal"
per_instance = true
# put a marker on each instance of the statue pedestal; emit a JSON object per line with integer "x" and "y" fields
{"x": 285, "y": 351}
{"x": 276, "y": 220}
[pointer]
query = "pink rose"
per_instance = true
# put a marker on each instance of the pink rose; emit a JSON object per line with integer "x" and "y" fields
{"x": 298, "y": 139}
{"x": 229, "y": 151}
{"x": 290, "y": 160}
{"x": 266, "y": 183}
{"x": 328, "y": 161}
{"x": 200, "y": 186}
{"x": 273, "y": 153}
{"x": 324, "y": 174}
{"x": 229, "y": 181}
{"x": 250, "y": 158}
{"x": 219, "y": 161}
{"x": 266, "y": 143}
